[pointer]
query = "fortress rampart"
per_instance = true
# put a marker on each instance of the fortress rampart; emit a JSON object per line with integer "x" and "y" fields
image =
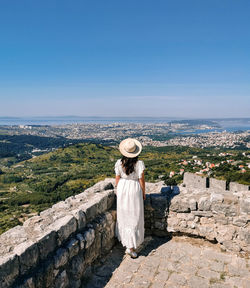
{"x": 196, "y": 181}
{"x": 57, "y": 248}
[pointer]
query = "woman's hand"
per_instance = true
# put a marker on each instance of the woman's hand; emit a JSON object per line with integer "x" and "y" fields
{"x": 142, "y": 184}
{"x": 117, "y": 178}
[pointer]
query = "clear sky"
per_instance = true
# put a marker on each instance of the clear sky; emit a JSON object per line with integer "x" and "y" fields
{"x": 173, "y": 58}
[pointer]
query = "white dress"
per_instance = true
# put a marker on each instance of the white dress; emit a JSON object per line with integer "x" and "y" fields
{"x": 130, "y": 208}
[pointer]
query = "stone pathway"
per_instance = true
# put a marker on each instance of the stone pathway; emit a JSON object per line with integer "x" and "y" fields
{"x": 179, "y": 262}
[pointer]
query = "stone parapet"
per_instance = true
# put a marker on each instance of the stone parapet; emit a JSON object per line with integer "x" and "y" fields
{"x": 220, "y": 217}
{"x": 192, "y": 180}
{"x": 56, "y": 248}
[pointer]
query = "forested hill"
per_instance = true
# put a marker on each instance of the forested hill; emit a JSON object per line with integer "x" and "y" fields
{"x": 36, "y": 184}
{"x": 31, "y": 186}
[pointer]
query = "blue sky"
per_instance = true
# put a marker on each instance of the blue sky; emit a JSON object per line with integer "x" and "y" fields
{"x": 173, "y": 58}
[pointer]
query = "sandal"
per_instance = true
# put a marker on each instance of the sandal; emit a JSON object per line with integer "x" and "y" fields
{"x": 131, "y": 253}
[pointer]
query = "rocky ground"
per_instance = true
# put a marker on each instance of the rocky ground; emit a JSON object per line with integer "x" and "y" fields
{"x": 177, "y": 262}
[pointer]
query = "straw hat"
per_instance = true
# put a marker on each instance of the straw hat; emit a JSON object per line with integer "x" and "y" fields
{"x": 130, "y": 147}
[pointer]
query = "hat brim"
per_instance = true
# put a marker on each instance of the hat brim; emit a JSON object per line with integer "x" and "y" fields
{"x": 130, "y": 154}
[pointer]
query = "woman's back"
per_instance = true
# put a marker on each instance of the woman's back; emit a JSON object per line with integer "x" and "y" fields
{"x": 135, "y": 175}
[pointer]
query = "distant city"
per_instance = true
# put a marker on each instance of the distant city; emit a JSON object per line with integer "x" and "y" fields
{"x": 227, "y": 133}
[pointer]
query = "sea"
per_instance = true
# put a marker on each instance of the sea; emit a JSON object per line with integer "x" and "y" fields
{"x": 224, "y": 124}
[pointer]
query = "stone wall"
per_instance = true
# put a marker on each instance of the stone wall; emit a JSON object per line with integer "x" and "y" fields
{"x": 193, "y": 180}
{"x": 211, "y": 213}
{"x": 56, "y": 248}
{"x": 202, "y": 182}
{"x": 220, "y": 217}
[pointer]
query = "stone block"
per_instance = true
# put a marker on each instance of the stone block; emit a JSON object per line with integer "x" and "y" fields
{"x": 27, "y": 283}
{"x": 28, "y": 255}
{"x": 72, "y": 247}
{"x": 80, "y": 218}
{"x": 49, "y": 276}
{"x": 61, "y": 257}
{"x": 193, "y": 205}
{"x": 64, "y": 227}
{"x": 76, "y": 267}
{"x": 80, "y": 238}
{"x": 91, "y": 208}
{"x": 192, "y": 180}
{"x": 204, "y": 203}
{"x": 39, "y": 277}
{"x": 9, "y": 270}
{"x": 179, "y": 205}
{"x": 62, "y": 280}
{"x": 236, "y": 187}
{"x": 244, "y": 235}
{"x": 102, "y": 204}
{"x": 107, "y": 240}
{"x": 46, "y": 244}
{"x": 245, "y": 206}
{"x": 216, "y": 197}
{"x": 89, "y": 237}
{"x": 217, "y": 185}
{"x": 75, "y": 283}
{"x": 111, "y": 200}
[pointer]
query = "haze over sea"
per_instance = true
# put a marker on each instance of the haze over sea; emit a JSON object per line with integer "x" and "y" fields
{"x": 226, "y": 124}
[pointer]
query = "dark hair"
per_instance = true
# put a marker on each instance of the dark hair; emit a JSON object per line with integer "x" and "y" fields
{"x": 129, "y": 164}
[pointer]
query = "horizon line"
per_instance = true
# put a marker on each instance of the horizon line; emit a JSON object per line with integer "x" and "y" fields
{"x": 127, "y": 117}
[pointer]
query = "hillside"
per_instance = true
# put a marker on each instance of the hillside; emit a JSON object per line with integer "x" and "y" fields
{"x": 31, "y": 186}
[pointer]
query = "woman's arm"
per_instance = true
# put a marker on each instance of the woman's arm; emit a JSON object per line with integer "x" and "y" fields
{"x": 142, "y": 184}
{"x": 117, "y": 178}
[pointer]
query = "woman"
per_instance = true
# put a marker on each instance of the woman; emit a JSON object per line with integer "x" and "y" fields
{"x": 130, "y": 194}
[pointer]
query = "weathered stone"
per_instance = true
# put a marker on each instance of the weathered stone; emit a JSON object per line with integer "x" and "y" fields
{"x": 73, "y": 247}
{"x": 46, "y": 244}
{"x": 61, "y": 257}
{"x": 244, "y": 235}
{"x": 240, "y": 221}
{"x": 39, "y": 277}
{"x": 62, "y": 280}
{"x": 245, "y": 206}
{"x": 80, "y": 238}
{"x": 216, "y": 197}
{"x": 62, "y": 205}
{"x": 111, "y": 198}
{"x": 75, "y": 283}
{"x": 235, "y": 187}
{"x": 80, "y": 217}
{"x": 102, "y": 204}
{"x": 203, "y": 213}
{"x": 217, "y": 185}
{"x": 193, "y": 180}
{"x": 225, "y": 233}
{"x": 12, "y": 238}
{"x": 91, "y": 208}
{"x": 27, "y": 283}
{"x": 89, "y": 237}
{"x": 64, "y": 227}
{"x": 179, "y": 205}
{"x": 9, "y": 270}
{"x": 28, "y": 255}
{"x": 49, "y": 276}
{"x": 193, "y": 204}
{"x": 77, "y": 267}
{"x": 204, "y": 204}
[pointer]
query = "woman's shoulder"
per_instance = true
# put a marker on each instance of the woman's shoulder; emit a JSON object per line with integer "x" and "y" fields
{"x": 140, "y": 163}
{"x": 118, "y": 162}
